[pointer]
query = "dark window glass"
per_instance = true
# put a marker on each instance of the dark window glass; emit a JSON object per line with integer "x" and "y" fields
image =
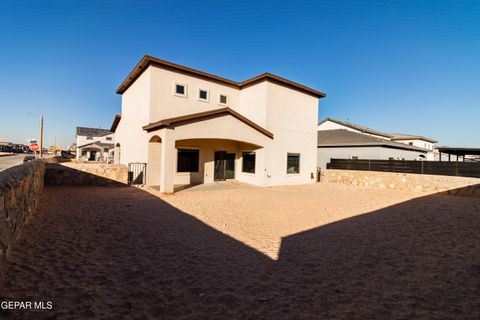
{"x": 248, "y": 163}
{"x": 179, "y": 89}
{"x": 187, "y": 160}
{"x": 355, "y": 158}
{"x": 109, "y": 138}
{"x": 293, "y": 163}
{"x": 89, "y": 138}
{"x": 410, "y": 143}
{"x": 203, "y": 95}
{"x": 223, "y": 99}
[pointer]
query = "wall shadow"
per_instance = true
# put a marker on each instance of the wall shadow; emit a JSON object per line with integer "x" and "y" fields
{"x": 123, "y": 253}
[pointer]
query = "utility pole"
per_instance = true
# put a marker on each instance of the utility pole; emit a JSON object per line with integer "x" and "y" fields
{"x": 41, "y": 136}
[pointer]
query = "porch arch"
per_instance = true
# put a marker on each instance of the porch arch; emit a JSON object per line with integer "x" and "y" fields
{"x": 116, "y": 154}
{"x": 154, "y": 158}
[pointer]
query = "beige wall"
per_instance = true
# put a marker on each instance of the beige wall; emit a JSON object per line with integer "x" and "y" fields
{"x": 292, "y": 118}
{"x": 135, "y": 114}
{"x": 164, "y": 104}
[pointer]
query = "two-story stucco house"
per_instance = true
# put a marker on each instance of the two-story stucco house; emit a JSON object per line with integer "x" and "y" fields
{"x": 193, "y": 127}
{"x": 94, "y": 144}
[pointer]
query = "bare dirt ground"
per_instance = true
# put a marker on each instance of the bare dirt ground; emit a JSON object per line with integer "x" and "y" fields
{"x": 301, "y": 252}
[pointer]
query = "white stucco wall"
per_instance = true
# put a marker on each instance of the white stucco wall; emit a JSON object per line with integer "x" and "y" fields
{"x": 292, "y": 118}
{"x": 135, "y": 114}
{"x": 164, "y": 104}
{"x": 418, "y": 143}
{"x": 372, "y": 153}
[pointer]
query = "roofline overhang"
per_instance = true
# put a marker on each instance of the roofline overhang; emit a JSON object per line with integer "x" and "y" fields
{"x": 360, "y": 145}
{"x": 176, "y": 121}
{"x": 147, "y": 60}
{"x": 377, "y": 133}
{"x": 116, "y": 121}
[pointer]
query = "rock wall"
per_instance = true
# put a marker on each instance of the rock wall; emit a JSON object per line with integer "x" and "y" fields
{"x": 70, "y": 173}
{"x": 20, "y": 189}
{"x": 404, "y": 181}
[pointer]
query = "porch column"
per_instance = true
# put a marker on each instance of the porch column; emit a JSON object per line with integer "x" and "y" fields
{"x": 167, "y": 162}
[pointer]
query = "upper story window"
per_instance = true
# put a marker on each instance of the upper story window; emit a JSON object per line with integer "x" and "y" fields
{"x": 203, "y": 95}
{"x": 410, "y": 143}
{"x": 180, "y": 89}
{"x": 89, "y": 138}
{"x": 223, "y": 99}
{"x": 108, "y": 138}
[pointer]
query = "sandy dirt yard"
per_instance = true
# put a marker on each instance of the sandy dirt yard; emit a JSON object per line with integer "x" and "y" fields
{"x": 323, "y": 251}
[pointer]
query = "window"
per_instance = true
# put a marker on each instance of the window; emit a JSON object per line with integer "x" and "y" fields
{"x": 187, "y": 160}
{"x": 293, "y": 163}
{"x": 354, "y": 158}
{"x": 410, "y": 143}
{"x": 203, "y": 95}
{"x": 248, "y": 162}
{"x": 223, "y": 99}
{"x": 108, "y": 138}
{"x": 89, "y": 138}
{"x": 180, "y": 90}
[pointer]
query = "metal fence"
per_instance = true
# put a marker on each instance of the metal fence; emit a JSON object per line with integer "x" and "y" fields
{"x": 460, "y": 169}
{"x": 137, "y": 173}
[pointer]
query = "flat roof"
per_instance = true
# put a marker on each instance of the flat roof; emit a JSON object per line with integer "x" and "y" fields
{"x": 460, "y": 151}
{"x": 147, "y": 60}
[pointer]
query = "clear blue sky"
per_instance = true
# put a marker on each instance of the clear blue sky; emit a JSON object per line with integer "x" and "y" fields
{"x": 398, "y": 66}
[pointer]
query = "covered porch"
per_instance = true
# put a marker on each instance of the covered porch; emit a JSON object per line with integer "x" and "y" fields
{"x": 205, "y": 148}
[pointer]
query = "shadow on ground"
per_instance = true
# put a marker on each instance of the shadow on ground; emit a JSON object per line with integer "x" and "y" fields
{"x": 117, "y": 253}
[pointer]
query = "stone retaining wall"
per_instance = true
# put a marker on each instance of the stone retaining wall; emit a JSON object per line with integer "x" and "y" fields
{"x": 20, "y": 189}
{"x": 70, "y": 173}
{"x": 405, "y": 181}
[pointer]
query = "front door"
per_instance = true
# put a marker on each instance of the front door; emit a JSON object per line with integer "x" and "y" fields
{"x": 224, "y": 166}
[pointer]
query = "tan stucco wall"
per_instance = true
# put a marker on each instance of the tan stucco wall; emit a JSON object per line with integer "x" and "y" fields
{"x": 164, "y": 104}
{"x": 135, "y": 114}
{"x": 292, "y": 118}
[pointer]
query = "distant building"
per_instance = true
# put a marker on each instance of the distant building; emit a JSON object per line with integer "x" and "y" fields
{"x": 344, "y": 140}
{"x": 94, "y": 144}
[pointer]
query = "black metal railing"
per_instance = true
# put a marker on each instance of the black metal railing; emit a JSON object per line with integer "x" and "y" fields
{"x": 137, "y": 173}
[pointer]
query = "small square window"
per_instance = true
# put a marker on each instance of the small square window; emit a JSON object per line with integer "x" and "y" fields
{"x": 203, "y": 95}
{"x": 223, "y": 99}
{"x": 180, "y": 90}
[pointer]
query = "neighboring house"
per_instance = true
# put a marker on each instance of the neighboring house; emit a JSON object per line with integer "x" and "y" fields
{"x": 417, "y": 141}
{"x": 94, "y": 144}
{"x": 345, "y": 140}
{"x": 192, "y": 127}
{"x": 346, "y": 144}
